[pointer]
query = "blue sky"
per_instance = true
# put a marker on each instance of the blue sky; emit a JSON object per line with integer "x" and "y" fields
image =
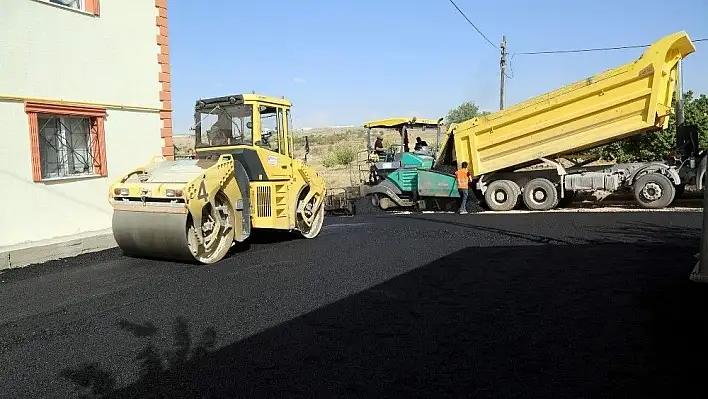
{"x": 344, "y": 62}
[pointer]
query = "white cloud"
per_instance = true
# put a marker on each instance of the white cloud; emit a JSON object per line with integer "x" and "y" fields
{"x": 299, "y": 80}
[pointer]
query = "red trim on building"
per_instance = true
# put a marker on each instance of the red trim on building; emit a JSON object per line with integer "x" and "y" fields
{"x": 96, "y": 117}
{"x": 94, "y": 7}
{"x": 164, "y": 77}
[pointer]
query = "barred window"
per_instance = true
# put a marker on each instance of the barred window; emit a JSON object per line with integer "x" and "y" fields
{"x": 86, "y": 6}
{"x": 67, "y": 141}
{"x": 77, "y": 4}
{"x": 65, "y": 146}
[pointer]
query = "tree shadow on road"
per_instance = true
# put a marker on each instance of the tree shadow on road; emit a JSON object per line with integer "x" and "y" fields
{"x": 546, "y": 321}
{"x": 93, "y": 381}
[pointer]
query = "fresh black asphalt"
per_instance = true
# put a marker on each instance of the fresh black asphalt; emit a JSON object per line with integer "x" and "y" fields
{"x": 556, "y": 305}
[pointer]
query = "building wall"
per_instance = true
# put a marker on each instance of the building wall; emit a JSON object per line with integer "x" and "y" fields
{"x": 112, "y": 57}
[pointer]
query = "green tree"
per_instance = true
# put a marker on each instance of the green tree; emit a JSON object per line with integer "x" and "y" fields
{"x": 655, "y": 146}
{"x": 463, "y": 112}
{"x": 696, "y": 112}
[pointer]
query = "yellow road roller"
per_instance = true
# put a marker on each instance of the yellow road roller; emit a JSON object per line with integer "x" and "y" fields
{"x": 244, "y": 177}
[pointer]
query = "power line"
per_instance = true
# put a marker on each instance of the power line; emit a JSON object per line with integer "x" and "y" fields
{"x": 474, "y": 26}
{"x": 594, "y": 49}
{"x": 587, "y": 50}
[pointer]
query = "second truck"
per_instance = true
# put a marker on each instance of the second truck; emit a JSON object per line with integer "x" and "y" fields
{"x": 631, "y": 99}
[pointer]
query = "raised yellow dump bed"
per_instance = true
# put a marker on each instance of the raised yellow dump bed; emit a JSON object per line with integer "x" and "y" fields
{"x": 621, "y": 102}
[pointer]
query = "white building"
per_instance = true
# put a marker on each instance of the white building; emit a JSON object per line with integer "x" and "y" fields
{"x": 84, "y": 96}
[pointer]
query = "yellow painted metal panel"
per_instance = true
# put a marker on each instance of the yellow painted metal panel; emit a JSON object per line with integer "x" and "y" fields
{"x": 270, "y": 207}
{"x": 618, "y": 103}
{"x": 396, "y": 122}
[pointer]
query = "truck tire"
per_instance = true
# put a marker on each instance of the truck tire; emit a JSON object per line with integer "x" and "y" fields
{"x": 654, "y": 191}
{"x": 502, "y": 195}
{"x": 540, "y": 195}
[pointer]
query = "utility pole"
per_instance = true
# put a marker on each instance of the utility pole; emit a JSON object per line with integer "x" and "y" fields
{"x": 502, "y": 67}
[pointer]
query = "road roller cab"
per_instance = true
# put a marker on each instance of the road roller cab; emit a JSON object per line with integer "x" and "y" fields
{"x": 244, "y": 176}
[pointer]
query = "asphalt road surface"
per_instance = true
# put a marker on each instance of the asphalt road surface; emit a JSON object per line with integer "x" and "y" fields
{"x": 557, "y": 305}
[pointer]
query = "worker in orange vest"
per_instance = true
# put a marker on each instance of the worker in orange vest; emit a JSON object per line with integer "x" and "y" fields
{"x": 463, "y": 184}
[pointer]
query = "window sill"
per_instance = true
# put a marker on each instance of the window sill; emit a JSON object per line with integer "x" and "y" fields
{"x": 62, "y": 7}
{"x": 53, "y": 180}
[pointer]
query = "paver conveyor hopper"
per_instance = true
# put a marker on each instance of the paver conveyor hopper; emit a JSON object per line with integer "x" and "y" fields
{"x": 244, "y": 177}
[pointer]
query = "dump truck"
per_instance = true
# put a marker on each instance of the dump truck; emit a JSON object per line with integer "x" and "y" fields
{"x": 244, "y": 177}
{"x": 500, "y": 147}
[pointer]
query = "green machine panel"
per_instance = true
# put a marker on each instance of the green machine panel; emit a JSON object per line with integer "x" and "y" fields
{"x": 405, "y": 178}
{"x": 436, "y": 184}
{"x": 412, "y": 160}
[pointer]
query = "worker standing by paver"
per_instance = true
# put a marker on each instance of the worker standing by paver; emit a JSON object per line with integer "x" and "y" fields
{"x": 463, "y": 184}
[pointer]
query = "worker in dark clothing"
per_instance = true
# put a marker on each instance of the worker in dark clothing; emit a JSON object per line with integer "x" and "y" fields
{"x": 420, "y": 144}
{"x": 378, "y": 144}
{"x": 381, "y": 154}
{"x": 379, "y": 147}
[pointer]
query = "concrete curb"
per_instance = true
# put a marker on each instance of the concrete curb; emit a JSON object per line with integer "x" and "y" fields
{"x": 32, "y": 253}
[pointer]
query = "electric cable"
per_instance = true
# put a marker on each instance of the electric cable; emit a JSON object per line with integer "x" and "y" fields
{"x": 474, "y": 26}
{"x": 587, "y": 50}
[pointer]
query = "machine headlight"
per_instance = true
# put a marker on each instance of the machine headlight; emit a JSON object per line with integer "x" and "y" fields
{"x": 121, "y": 191}
{"x": 173, "y": 193}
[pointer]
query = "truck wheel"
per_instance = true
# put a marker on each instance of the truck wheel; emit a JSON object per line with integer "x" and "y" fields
{"x": 654, "y": 191}
{"x": 540, "y": 195}
{"x": 502, "y": 195}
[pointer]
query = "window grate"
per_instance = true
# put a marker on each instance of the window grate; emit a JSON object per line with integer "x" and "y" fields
{"x": 75, "y": 4}
{"x": 66, "y": 146}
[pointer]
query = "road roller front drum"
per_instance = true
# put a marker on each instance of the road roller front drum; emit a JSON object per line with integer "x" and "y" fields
{"x": 217, "y": 228}
{"x": 172, "y": 236}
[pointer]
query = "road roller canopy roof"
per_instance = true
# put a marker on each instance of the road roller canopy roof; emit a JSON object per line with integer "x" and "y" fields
{"x": 240, "y": 99}
{"x": 397, "y": 122}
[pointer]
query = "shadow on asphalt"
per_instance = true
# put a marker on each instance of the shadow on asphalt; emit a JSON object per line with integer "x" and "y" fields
{"x": 263, "y": 237}
{"x": 93, "y": 381}
{"x": 546, "y": 321}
